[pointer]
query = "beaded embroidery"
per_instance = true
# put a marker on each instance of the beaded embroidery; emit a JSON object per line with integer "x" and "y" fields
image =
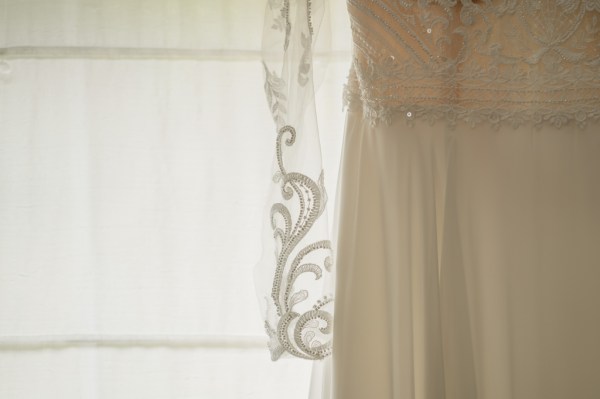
{"x": 310, "y": 328}
{"x": 496, "y": 61}
{"x": 298, "y": 316}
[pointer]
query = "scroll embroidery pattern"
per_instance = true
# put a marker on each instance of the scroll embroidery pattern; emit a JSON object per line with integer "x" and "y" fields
{"x": 303, "y": 331}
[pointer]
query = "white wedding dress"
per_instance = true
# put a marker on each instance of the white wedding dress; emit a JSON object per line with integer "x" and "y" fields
{"x": 468, "y": 215}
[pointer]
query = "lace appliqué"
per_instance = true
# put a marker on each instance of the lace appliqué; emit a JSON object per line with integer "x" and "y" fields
{"x": 503, "y": 62}
{"x": 295, "y": 282}
{"x": 303, "y": 333}
{"x": 276, "y": 98}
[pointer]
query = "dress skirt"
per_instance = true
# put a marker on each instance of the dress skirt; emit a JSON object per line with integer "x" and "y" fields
{"x": 468, "y": 262}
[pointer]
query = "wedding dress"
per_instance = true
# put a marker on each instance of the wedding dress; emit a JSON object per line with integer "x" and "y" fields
{"x": 467, "y": 250}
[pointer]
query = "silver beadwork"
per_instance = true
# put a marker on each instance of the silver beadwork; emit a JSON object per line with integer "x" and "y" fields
{"x": 494, "y": 63}
{"x": 296, "y": 331}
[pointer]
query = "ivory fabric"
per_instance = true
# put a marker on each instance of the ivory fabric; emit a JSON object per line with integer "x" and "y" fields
{"x": 467, "y": 219}
{"x": 467, "y": 263}
{"x": 467, "y": 259}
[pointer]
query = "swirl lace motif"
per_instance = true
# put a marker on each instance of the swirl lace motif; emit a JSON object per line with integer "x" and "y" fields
{"x": 311, "y": 329}
{"x": 509, "y": 62}
{"x": 298, "y": 310}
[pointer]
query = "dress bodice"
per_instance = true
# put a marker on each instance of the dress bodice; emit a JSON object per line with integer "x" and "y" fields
{"x": 496, "y": 61}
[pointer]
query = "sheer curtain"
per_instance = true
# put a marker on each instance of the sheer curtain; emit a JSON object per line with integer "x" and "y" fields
{"x": 135, "y": 151}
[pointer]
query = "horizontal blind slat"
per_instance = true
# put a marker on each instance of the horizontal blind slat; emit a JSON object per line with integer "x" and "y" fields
{"x": 131, "y": 340}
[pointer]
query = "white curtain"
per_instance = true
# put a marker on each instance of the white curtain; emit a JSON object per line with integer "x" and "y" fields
{"x": 135, "y": 157}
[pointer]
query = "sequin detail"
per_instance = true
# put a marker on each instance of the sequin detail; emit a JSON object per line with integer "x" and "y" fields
{"x": 502, "y": 62}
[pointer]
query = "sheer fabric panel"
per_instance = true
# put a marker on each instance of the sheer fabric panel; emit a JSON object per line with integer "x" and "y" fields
{"x": 135, "y": 149}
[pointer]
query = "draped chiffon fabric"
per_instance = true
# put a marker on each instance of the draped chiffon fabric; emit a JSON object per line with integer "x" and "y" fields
{"x": 467, "y": 263}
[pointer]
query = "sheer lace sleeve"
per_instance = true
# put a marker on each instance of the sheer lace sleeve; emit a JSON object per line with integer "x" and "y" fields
{"x": 295, "y": 273}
